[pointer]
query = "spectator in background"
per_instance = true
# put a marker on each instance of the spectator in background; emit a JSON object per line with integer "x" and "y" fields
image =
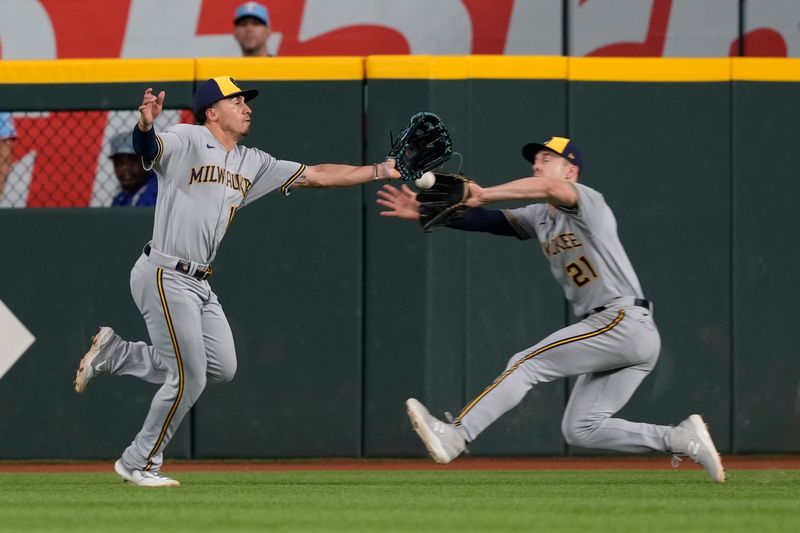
{"x": 251, "y": 29}
{"x": 7, "y": 136}
{"x": 139, "y": 186}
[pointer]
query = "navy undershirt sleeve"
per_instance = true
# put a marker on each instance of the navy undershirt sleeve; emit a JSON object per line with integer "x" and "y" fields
{"x": 485, "y": 220}
{"x": 144, "y": 143}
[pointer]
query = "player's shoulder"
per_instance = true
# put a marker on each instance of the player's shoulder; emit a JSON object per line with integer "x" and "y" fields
{"x": 586, "y": 193}
{"x": 192, "y": 132}
{"x": 589, "y": 200}
{"x": 185, "y": 129}
{"x": 585, "y": 188}
{"x": 191, "y": 136}
{"x": 242, "y": 149}
{"x": 253, "y": 155}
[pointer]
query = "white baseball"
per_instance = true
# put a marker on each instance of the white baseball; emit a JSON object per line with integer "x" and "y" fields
{"x": 426, "y": 181}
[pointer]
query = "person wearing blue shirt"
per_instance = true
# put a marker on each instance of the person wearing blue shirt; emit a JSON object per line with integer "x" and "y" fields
{"x": 139, "y": 186}
{"x": 7, "y": 135}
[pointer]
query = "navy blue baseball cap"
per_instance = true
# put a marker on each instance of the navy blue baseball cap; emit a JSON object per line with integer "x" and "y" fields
{"x": 564, "y": 147}
{"x": 217, "y": 89}
{"x": 251, "y": 9}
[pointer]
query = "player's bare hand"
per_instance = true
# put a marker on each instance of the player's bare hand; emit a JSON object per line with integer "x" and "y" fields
{"x": 476, "y": 195}
{"x": 400, "y": 203}
{"x": 151, "y": 107}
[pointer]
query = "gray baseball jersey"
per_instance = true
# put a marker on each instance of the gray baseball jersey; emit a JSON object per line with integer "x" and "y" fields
{"x": 582, "y": 246}
{"x": 201, "y": 186}
{"x": 611, "y": 351}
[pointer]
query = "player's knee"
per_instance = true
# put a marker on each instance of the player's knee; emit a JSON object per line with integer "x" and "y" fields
{"x": 223, "y": 374}
{"x": 227, "y": 373}
{"x": 578, "y": 434}
{"x": 571, "y": 435}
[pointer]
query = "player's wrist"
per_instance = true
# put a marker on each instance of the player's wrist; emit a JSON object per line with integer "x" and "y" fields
{"x": 381, "y": 171}
{"x": 143, "y": 126}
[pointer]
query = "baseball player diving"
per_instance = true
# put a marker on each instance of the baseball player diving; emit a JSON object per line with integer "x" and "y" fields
{"x": 613, "y": 347}
{"x": 204, "y": 177}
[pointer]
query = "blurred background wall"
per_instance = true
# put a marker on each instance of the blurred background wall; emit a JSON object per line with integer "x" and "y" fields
{"x": 339, "y": 314}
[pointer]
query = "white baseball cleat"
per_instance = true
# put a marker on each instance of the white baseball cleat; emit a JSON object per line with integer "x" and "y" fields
{"x": 691, "y": 438}
{"x": 86, "y": 371}
{"x": 443, "y": 441}
{"x": 143, "y": 478}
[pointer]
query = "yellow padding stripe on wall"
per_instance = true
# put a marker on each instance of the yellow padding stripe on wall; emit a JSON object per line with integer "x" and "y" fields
{"x": 425, "y": 67}
{"x": 466, "y": 67}
{"x": 283, "y": 68}
{"x": 97, "y": 71}
{"x": 649, "y": 69}
{"x": 766, "y": 69}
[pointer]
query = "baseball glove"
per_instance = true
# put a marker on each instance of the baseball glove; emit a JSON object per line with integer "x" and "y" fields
{"x": 444, "y": 201}
{"x": 422, "y": 146}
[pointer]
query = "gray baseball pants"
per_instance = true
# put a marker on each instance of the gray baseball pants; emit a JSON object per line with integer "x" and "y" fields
{"x": 611, "y": 352}
{"x": 192, "y": 344}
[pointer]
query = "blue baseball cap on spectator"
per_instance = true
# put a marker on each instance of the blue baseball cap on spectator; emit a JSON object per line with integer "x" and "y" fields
{"x": 7, "y": 129}
{"x": 251, "y": 9}
{"x": 121, "y": 144}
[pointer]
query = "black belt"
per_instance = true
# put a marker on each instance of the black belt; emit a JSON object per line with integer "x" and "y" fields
{"x": 184, "y": 267}
{"x": 639, "y": 302}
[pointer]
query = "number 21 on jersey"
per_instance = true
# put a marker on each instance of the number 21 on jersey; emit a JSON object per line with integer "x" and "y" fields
{"x": 581, "y": 271}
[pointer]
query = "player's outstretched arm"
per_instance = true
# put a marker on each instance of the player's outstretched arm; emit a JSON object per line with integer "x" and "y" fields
{"x": 400, "y": 203}
{"x": 403, "y": 203}
{"x": 335, "y": 175}
{"x": 555, "y": 191}
{"x": 150, "y": 108}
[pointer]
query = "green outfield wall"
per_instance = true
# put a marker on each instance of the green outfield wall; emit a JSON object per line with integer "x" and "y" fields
{"x": 339, "y": 314}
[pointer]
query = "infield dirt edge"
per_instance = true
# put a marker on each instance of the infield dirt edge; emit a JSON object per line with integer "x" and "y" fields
{"x": 661, "y": 462}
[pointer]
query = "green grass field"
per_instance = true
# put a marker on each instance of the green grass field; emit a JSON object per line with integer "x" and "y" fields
{"x": 418, "y": 501}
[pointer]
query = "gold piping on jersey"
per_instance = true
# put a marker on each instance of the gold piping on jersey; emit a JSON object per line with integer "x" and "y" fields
{"x": 171, "y": 414}
{"x": 160, "y": 151}
{"x": 230, "y": 217}
{"x": 533, "y": 354}
{"x": 286, "y": 186}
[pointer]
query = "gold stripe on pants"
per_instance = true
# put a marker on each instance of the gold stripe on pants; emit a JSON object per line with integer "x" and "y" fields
{"x": 533, "y": 354}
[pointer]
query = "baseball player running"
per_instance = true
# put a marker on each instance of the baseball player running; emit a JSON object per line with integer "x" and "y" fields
{"x": 611, "y": 350}
{"x": 204, "y": 177}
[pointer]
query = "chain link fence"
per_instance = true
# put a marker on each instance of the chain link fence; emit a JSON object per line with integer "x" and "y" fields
{"x": 62, "y": 158}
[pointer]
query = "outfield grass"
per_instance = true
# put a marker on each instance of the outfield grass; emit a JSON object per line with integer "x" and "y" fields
{"x": 418, "y": 501}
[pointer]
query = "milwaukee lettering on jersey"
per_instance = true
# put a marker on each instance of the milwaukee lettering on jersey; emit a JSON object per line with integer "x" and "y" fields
{"x": 556, "y": 245}
{"x": 214, "y": 174}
